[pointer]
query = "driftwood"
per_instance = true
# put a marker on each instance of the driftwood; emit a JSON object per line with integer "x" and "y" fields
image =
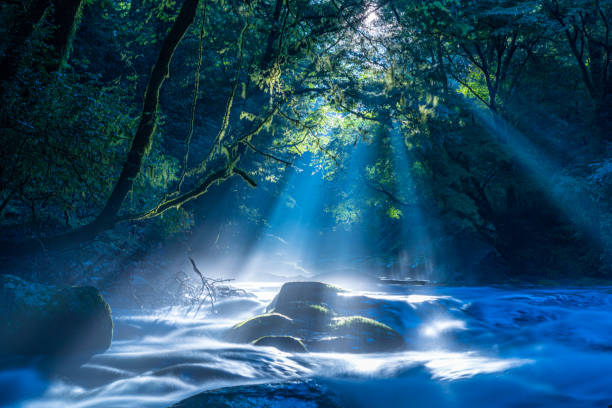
{"x": 213, "y": 288}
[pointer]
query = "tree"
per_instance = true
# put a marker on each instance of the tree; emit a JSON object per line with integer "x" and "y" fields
{"x": 63, "y": 18}
{"x": 140, "y": 144}
{"x": 262, "y": 82}
{"x": 585, "y": 24}
{"x": 482, "y": 45}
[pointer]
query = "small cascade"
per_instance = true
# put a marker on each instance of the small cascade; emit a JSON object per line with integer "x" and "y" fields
{"x": 464, "y": 347}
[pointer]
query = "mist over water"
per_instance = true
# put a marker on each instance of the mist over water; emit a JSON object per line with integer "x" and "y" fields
{"x": 478, "y": 346}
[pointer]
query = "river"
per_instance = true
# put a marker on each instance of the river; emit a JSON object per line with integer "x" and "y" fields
{"x": 468, "y": 347}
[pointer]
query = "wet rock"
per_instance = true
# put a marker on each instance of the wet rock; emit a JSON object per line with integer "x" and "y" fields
{"x": 260, "y": 326}
{"x": 361, "y": 334}
{"x": 39, "y": 320}
{"x": 323, "y": 320}
{"x": 283, "y": 343}
{"x": 294, "y": 294}
{"x": 288, "y": 394}
{"x": 309, "y": 316}
{"x": 309, "y": 304}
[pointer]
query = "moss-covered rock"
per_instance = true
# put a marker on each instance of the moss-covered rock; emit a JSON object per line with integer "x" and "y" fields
{"x": 283, "y": 343}
{"x": 350, "y": 324}
{"x": 309, "y": 304}
{"x": 260, "y": 326}
{"x": 307, "y": 315}
{"x": 42, "y": 320}
{"x": 292, "y": 293}
{"x": 313, "y": 314}
{"x": 363, "y": 334}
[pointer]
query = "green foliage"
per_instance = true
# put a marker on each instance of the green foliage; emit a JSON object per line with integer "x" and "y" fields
{"x": 346, "y": 212}
{"x": 394, "y": 213}
{"x": 403, "y": 118}
{"x": 61, "y": 144}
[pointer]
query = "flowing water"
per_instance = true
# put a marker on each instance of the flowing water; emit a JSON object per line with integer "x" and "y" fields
{"x": 468, "y": 347}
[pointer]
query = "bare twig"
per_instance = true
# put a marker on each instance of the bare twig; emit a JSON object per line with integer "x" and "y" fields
{"x": 210, "y": 286}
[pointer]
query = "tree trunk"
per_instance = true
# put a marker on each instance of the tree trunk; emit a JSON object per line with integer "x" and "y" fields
{"x": 143, "y": 138}
{"x": 66, "y": 17}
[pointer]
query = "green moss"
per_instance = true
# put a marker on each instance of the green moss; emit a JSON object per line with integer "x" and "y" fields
{"x": 362, "y": 335}
{"x": 351, "y": 323}
{"x": 320, "y": 309}
{"x": 306, "y": 314}
{"x": 258, "y": 317}
{"x": 258, "y": 326}
{"x": 334, "y": 287}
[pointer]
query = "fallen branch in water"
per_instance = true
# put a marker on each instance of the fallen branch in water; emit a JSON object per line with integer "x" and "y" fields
{"x": 213, "y": 289}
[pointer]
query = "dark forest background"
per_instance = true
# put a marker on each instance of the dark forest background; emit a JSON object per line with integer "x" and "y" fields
{"x": 454, "y": 140}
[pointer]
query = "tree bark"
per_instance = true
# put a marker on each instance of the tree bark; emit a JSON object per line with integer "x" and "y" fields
{"x": 144, "y": 134}
{"x": 66, "y": 18}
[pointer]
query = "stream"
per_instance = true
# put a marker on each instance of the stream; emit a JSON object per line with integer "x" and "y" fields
{"x": 468, "y": 347}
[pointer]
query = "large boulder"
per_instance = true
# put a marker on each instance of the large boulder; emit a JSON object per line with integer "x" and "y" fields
{"x": 36, "y": 320}
{"x": 309, "y": 304}
{"x": 315, "y": 314}
{"x": 315, "y": 293}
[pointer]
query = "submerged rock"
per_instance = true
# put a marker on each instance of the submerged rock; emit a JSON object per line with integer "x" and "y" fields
{"x": 39, "y": 320}
{"x": 322, "y": 319}
{"x": 287, "y": 394}
{"x": 283, "y": 343}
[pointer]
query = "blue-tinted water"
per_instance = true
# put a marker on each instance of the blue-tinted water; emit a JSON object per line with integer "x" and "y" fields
{"x": 469, "y": 347}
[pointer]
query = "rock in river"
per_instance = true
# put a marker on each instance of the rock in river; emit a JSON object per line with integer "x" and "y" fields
{"x": 295, "y": 293}
{"x": 287, "y": 394}
{"x": 316, "y": 315}
{"x": 260, "y": 326}
{"x": 283, "y": 343}
{"x": 39, "y": 320}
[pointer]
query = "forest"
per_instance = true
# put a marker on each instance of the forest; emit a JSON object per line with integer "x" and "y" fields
{"x": 305, "y": 203}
